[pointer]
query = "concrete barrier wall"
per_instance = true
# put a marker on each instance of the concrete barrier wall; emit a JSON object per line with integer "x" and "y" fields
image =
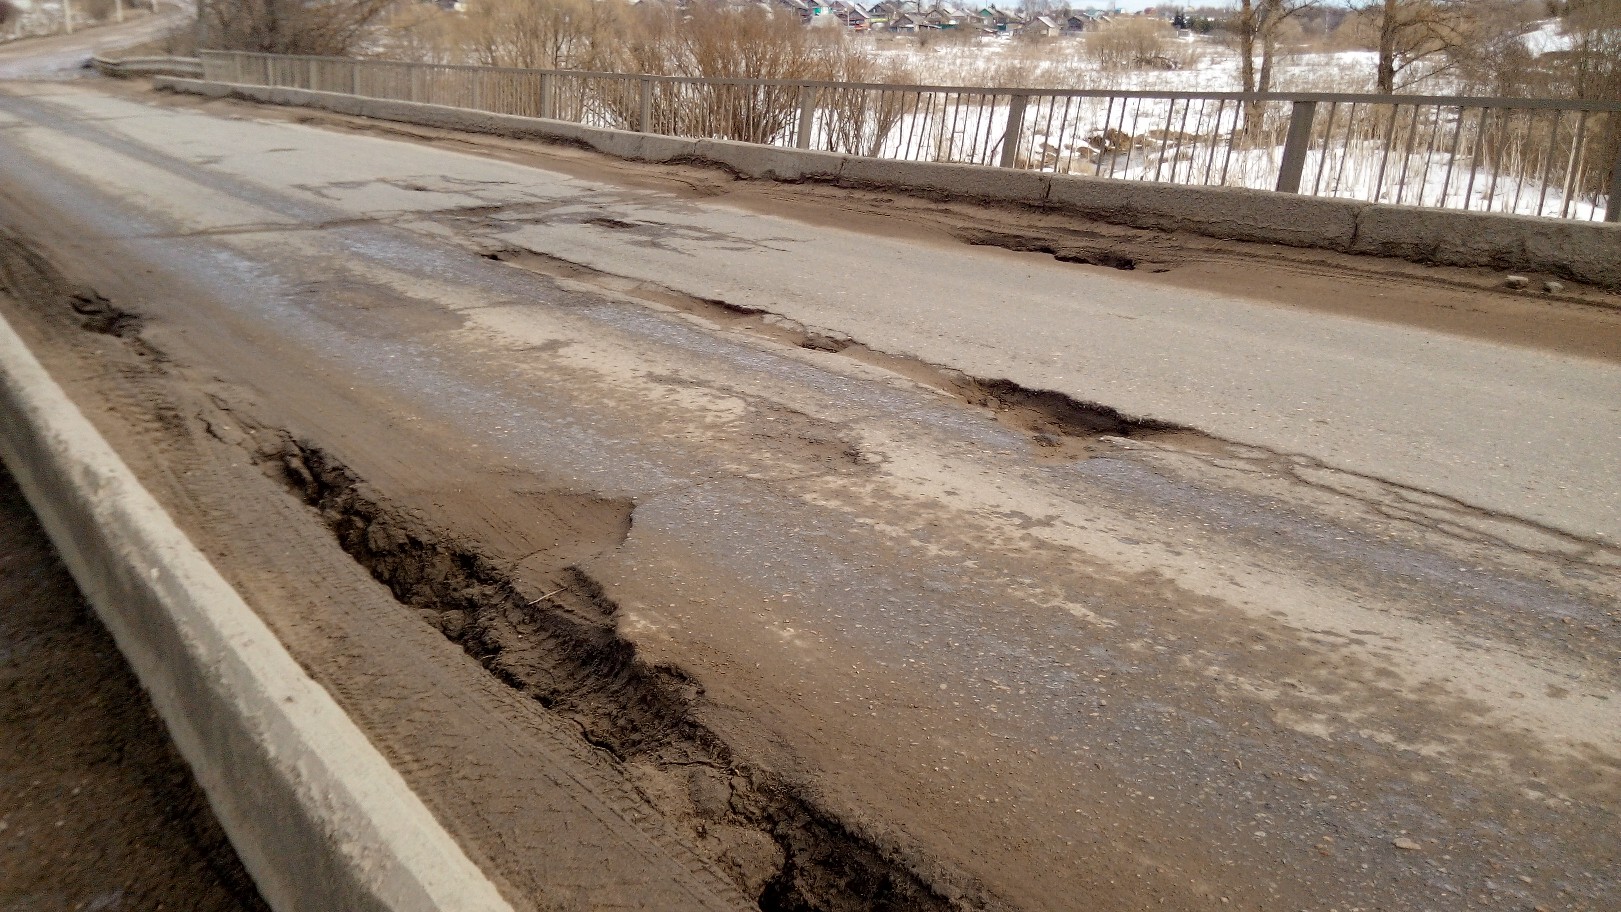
{"x": 1581, "y": 251}
{"x": 188, "y": 67}
{"x": 318, "y": 816}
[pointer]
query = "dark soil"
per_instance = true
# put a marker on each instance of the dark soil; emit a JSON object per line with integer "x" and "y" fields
{"x": 97, "y": 810}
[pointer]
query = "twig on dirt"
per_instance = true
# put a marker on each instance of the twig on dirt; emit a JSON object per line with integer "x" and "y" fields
{"x": 545, "y": 597}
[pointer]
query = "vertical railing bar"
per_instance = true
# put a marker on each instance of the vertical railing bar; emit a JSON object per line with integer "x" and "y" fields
{"x": 981, "y": 146}
{"x": 912, "y": 144}
{"x": 1012, "y": 132}
{"x": 1407, "y": 157}
{"x": 807, "y": 116}
{"x": 1452, "y": 157}
{"x": 1474, "y": 159}
{"x": 956, "y": 117}
{"x": 1164, "y": 141}
{"x": 1121, "y": 130}
{"x": 1522, "y": 150}
{"x": 1576, "y": 147}
{"x": 1240, "y": 116}
{"x": 1215, "y": 135}
{"x": 1063, "y": 130}
{"x": 1558, "y": 118}
{"x": 1071, "y": 128}
{"x": 1384, "y": 162}
{"x": 1103, "y": 136}
{"x": 1491, "y": 190}
{"x": 1328, "y": 145}
{"x": 1181, "y": 131}
{"x": 1429, "y": 157}
{"x": 644, "y": 105}
{"x": 1297, "y": 142}
{"x": 1136, "y": 124}
{"x": 1612, "y": 206}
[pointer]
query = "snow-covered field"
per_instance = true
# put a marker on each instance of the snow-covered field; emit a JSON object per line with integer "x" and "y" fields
{"x": 1064, "y": 63}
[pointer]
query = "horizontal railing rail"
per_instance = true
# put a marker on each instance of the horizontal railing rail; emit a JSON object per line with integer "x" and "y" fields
{"x": 1529, "y": 156}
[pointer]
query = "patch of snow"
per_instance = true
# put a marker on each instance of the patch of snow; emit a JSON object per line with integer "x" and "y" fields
{"x": 1547, "y": 38}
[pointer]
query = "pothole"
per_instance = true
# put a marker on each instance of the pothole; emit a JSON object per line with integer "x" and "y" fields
{"x": 551, "y": 635}
{"x": 26, "y": 275}
{"x": 1091, "y": 255}
{"x": 1055, "y": 422}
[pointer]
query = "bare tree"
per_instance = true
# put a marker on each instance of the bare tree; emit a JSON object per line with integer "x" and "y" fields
{"x": 1422, "y": 36}
{"x": 534, "y": 34}
{"x": 319, "y": 27}
{"x": 1258, "y": 23}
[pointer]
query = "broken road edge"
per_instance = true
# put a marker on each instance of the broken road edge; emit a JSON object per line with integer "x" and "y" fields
{"x": 1587, "y": 252}
{"x": 319, "y": 817}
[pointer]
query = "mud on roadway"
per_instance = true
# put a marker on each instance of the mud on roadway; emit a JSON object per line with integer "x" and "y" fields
{"x": 664, "y": 604}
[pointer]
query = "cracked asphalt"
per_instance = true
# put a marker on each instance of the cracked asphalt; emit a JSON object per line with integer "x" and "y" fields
{"x": 1349, "y": 641}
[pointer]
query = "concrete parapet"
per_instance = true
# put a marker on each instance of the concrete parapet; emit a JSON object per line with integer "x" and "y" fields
{"x": 1584, "y": 251}
{"x": 1002, "y": 185}
{"x": 318, "y": 816}
{"x": 1225, "y": 212}
{"x": 771, "y": 162}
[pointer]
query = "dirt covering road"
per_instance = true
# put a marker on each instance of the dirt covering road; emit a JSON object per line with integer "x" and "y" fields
{"x": 665, "y": 601}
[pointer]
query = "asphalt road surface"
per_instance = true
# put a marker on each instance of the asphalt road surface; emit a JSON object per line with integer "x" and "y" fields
{"x": 670, "y": 516}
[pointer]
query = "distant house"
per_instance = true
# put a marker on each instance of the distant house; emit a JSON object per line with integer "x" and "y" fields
{"x": 946, "y": 17}
{"x": 851, "y": 14}
{"x": 1040, "y": 27}
{"x": 804, "y": 9}
{"x": 994, "y": 20}
{"x": 1080, "y": 22}
{"x": 909, "y": 24}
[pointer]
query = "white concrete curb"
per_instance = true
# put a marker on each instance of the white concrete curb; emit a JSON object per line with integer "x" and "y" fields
{"x": 320, "y": 819}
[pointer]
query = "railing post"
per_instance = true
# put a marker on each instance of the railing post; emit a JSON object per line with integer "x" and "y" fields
{"x": 411, "y": 79}
{"x": 1301, "y": 115}
{"x": 546, "y": 109}
{"x": 807, "y": 116}
{"x": 645, "y": 120}
{"x": 477, "y": 90}
{"x": 1015, "y": 130}
{"x": 1612, "y": 209}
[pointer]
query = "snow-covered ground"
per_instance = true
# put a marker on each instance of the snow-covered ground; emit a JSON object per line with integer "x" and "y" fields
{"x": 1064, "y": 63}
{"x": 1426, "y": 156}
{"x": 1547, "y": 38}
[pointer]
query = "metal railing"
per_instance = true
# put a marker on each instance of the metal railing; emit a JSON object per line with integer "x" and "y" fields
{"x": 1542, "y": 157}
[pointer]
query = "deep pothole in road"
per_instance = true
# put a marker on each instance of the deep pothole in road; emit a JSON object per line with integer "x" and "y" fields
{"x": 562, "y": 648}
{"x": 1054, "y": 422}
{"x": 1083, "y": 253}
{"x": 26, "y": 275}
